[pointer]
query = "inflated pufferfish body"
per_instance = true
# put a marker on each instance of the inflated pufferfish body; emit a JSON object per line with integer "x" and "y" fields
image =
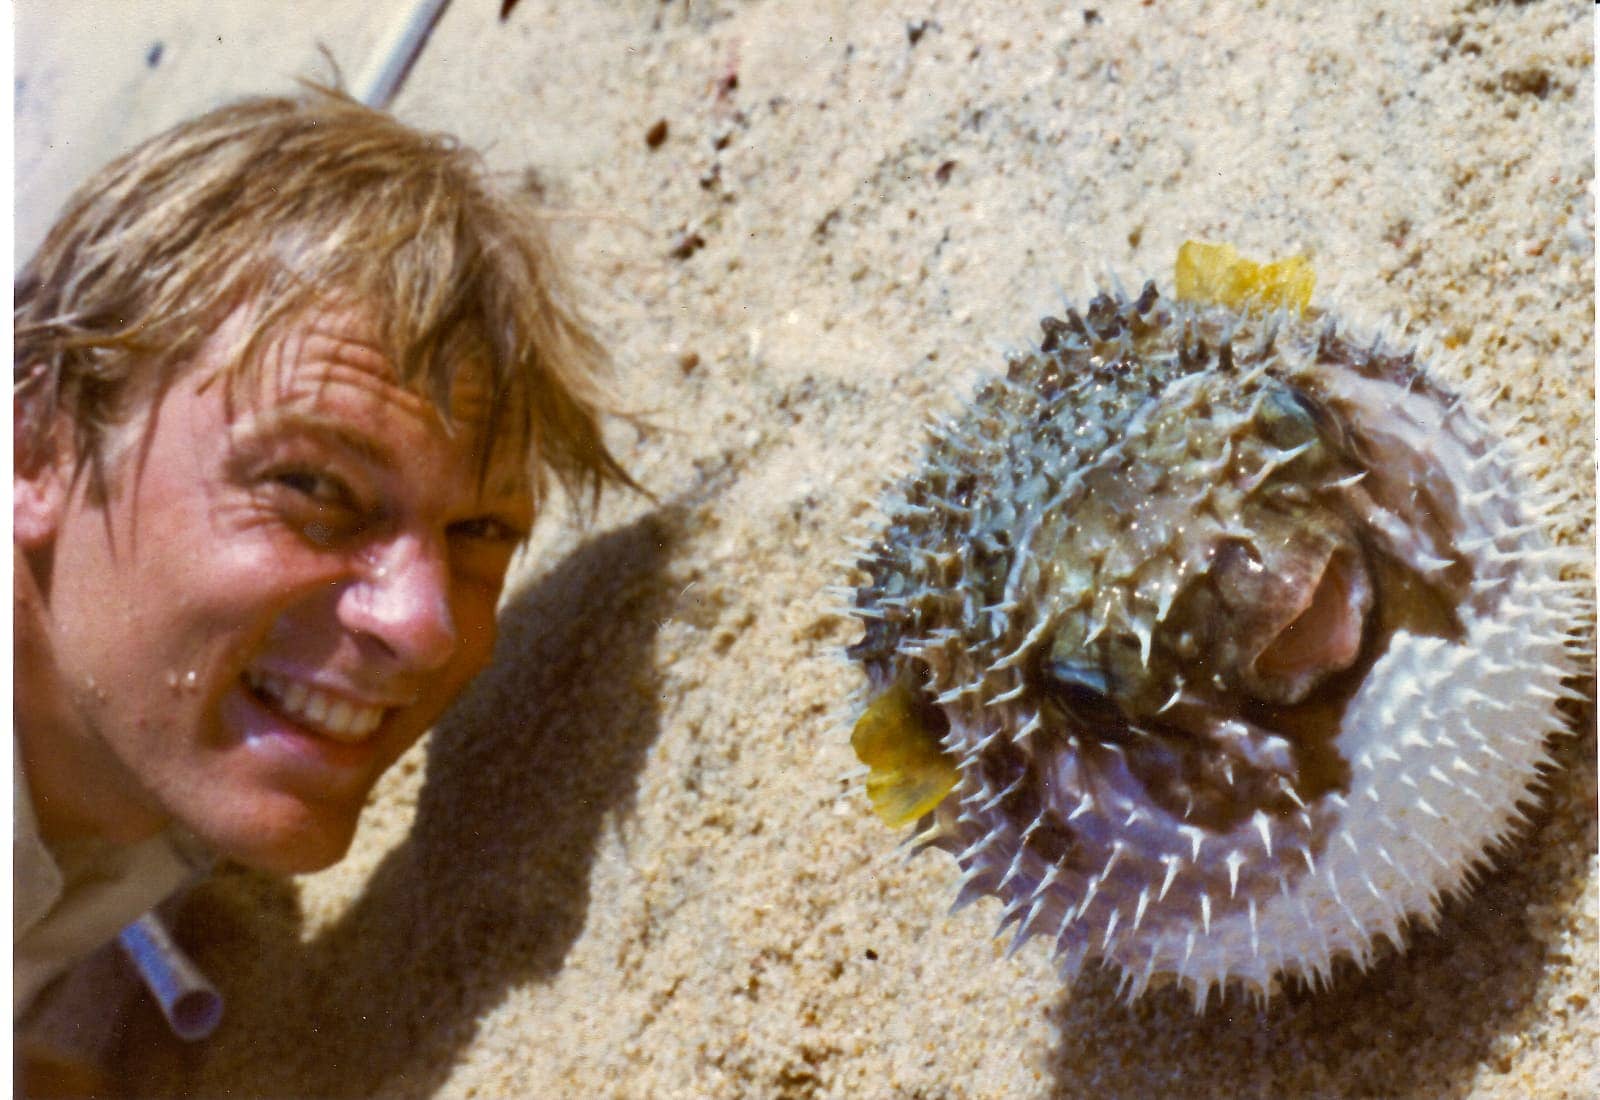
{"x": 1214, "y": 645}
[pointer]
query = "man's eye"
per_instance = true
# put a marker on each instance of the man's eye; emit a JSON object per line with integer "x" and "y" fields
{"x": 316, "y": 486}
{"x": 322, "y": 506}
{"x": 487, "y": 529}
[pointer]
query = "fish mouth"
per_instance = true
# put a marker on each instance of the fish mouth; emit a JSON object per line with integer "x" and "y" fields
{"x": 1321, "y": 633}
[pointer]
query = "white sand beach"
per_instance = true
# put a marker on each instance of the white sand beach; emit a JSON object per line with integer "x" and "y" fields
{"x": 630, "y": 863}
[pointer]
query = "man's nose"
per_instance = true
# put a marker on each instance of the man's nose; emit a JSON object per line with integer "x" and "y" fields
{"x": 402, "y": 601}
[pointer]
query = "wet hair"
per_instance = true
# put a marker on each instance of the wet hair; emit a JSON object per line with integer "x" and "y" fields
{"x": 289, "y": 205}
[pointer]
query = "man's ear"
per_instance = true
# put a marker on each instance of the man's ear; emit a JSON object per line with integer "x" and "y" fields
{"x": 40, "y": 482}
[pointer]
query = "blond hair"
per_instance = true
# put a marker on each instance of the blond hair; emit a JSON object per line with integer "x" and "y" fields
{"x": 289, "y": 204}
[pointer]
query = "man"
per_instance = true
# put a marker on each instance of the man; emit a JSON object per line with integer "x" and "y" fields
{"x": 290, "y": 381}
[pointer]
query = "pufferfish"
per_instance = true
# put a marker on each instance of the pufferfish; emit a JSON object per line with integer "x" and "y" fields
{"x": 1213, "y": 640}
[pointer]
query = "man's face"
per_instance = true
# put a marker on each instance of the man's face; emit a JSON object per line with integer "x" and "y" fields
{"x": 282, "y": 591}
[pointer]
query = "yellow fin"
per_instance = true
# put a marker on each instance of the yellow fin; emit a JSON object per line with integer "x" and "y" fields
{"x": 910, "y": 774}
{"x": 1215, "y": 274}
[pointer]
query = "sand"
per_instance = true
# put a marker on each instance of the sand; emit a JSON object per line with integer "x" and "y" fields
{"x": 630, "y": 864}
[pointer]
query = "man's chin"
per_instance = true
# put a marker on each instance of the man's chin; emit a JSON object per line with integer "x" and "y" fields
{"x": 288, "y": 848}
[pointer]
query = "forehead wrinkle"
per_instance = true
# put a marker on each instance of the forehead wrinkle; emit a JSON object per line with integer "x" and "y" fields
{"x": 345, "y": 335}
{"x": 327, "y": 344}
{"x": 336, "y": 347}
{"x": 343, "y": 348}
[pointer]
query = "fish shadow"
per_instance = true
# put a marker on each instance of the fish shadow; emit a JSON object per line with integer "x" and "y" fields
{"x": 1422, "y": 1023}
{"x": 489, "y": 890}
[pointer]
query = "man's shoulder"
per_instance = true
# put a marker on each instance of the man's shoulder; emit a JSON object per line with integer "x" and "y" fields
{"x": 67, "y": 904}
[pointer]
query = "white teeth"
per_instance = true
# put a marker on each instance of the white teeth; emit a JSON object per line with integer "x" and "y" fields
{"x": 341, "y": 717}
{"x": 329, "y": 715}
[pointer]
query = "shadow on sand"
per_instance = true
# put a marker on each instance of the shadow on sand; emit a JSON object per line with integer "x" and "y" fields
{"x": 489, "y": 890}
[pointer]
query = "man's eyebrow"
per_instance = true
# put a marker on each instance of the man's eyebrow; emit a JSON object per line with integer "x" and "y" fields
{"x": 282, "y": 421}
{"x": 505, "y": 484}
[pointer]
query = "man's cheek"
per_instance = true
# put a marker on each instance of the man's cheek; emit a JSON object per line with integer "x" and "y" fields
{"x": 479, "y": 631}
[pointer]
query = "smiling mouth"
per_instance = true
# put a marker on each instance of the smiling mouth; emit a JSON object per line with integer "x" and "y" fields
{"x": 319, "y": 711}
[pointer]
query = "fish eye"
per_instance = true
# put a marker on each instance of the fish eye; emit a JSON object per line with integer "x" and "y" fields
{"x": 1082, "y": 689}
{"x": 1288, "y": 418}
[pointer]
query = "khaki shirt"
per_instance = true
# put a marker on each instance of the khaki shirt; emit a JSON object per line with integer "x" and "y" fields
{"x": 68, "y": 901}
